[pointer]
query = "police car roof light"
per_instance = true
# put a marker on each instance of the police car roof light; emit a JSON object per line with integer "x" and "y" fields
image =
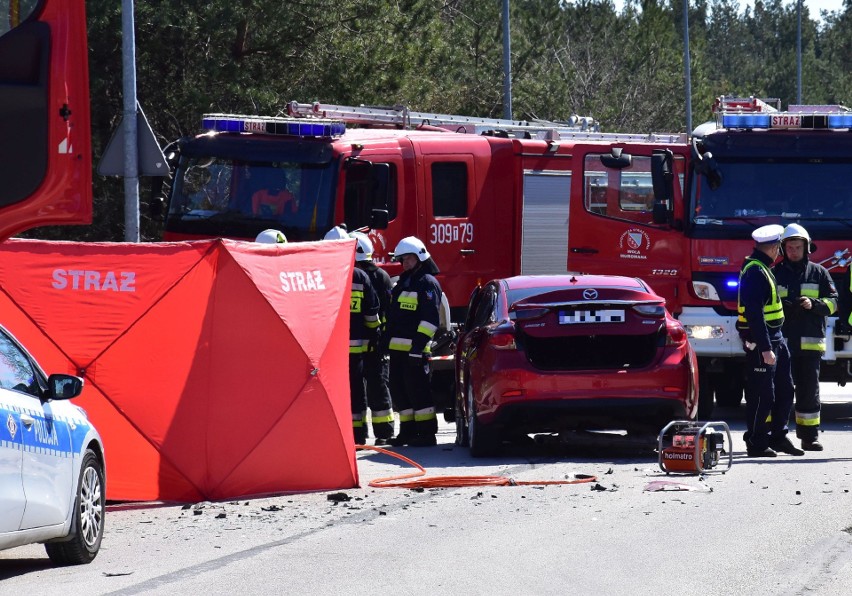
{"x": 314, "y": 127}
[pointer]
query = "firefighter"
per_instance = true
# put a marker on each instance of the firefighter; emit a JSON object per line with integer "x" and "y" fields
{"x": 808, "y": 295}
{"x": 376, "y": 359}
{"x": 363, "y": 325}
{"x": 769, "y": 386}
{"x": 413, "y": 319}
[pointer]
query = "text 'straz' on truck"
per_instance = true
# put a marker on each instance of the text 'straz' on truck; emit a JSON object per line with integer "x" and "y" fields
{"x": 754, "y": 165}
{"x": 488, "y": 197}
{"x": 45, "y": 137}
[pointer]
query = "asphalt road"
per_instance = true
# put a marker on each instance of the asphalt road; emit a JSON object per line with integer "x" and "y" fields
{"x": 780, "y": 526}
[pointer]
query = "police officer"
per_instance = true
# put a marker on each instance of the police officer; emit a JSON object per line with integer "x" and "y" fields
{"x": 769, "y": 386}
{"x": 363, "y": 324}
{"x": 375, "y": 359}
{"x": 808, "y": 294}
{"x": 413, "y": 318}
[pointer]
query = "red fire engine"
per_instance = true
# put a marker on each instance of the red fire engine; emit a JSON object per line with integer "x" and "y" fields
{"x": 45, "y": 154}
{"x": 489, "y": 197}
{"x": 753, "y": 166}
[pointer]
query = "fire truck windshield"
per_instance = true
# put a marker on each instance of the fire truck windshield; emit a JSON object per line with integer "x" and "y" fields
{"x": 216, "y": 196}
{"x": 754, "y": 191}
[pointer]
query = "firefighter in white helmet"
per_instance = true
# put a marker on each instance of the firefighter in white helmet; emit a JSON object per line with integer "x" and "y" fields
{"x": 760, "y": 315}
{"x": 363, "y": 325}
{"x": 271, "y": 237}
{"x": 808, "y": 294}
{"x": 376, "y": 366}
{"x": 413, "y": 319}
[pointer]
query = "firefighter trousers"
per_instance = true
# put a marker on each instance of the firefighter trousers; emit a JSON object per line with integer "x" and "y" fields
{"x": 805, "y": 364}
{"x": 376, "y": 373}
{"x": 412, "y": 397}
{"x": 358, "y": 397}
{"x": 769, "y": 396}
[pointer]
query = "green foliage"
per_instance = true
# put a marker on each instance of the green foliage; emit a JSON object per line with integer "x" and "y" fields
{"x": 568, "y": 57}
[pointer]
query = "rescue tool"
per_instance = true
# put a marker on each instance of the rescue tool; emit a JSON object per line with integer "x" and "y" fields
{"x": 687, "y": 447}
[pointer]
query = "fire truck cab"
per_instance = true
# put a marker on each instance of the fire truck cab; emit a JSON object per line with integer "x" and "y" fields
{"x": 753, "y": 166}
{"x": 45, "y": 141}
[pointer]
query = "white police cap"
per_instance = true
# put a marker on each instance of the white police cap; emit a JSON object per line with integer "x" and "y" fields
{"x": 770, "y": 233}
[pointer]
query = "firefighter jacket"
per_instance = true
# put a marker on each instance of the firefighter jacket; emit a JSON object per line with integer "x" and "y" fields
{"x": 805, "y": 329}
{"x": 363, "y": 313}
{"x": 414, "y": 312}
{"x": 759, "y": 311}
{"x": 382, "y": 284}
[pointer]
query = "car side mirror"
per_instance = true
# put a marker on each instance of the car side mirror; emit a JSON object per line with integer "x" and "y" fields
{"x": 61, "y": 386}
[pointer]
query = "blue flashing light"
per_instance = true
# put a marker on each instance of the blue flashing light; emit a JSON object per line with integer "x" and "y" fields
{"x": 745, "y": 121}
{"x": 732, "y": 283}
{"x": 840, "y": 120}
{"x": 300, "y": 127}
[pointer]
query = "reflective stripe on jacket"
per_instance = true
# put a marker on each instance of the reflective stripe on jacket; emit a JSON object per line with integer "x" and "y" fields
{"x": 805, "y": 329}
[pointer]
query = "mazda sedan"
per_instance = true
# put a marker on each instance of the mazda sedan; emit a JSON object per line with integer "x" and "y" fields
{"x": 52, "y": 485}
{"x": 557, "y": 353}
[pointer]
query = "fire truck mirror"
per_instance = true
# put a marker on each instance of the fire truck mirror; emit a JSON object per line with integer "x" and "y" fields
{"x": 379, "y": 219}
{"x": 616, "y": 159}
{"x": 662, "y": 178}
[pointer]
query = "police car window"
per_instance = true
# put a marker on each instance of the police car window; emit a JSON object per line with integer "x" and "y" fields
{"x": 449, "y": 189}
{"x": 16, "y": 372}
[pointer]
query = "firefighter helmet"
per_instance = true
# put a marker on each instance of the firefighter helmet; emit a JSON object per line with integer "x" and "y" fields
{"x": 795, "y": 231}
{"x": 336, "y": 233}
{"x": 271, "y": 237}
{"x": 364, "y": 248}
{"x": 410, "y": 245}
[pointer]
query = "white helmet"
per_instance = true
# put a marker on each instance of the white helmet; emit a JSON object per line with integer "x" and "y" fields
{"x": 336, "y": 233}
{"x": 411, "y": 245}
{"x": 271, "y": 237}
{"x": 364, "y": 248}
{"x": 794, "y": 230}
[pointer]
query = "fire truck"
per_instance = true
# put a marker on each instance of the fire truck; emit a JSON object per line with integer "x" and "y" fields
{"x": 45, "y": 141}
{"x": 753, "y": 165}
{"x": 489, "y": 197}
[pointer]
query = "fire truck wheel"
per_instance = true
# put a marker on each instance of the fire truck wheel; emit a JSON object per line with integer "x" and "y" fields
{"x": 728, "y": 386}
{"x": 483, "y": 440}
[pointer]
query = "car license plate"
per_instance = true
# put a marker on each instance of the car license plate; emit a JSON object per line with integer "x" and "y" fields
{"x": 574, "y": 317}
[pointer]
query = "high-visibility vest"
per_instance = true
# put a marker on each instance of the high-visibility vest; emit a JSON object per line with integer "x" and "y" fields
{"x": 773, "y": 311}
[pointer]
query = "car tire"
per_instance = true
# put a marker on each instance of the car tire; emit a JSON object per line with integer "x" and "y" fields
{"x": 482, "y": 439}
{"x": 87, "y": 525}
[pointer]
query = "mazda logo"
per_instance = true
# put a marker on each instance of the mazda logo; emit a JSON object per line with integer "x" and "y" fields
{"x": 590, "y": 294}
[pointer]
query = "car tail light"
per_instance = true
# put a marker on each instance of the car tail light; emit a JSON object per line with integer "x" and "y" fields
{"x": 503, "y": 341}
{"x": 650, "y": 310}
{"x": 675, "y": 334}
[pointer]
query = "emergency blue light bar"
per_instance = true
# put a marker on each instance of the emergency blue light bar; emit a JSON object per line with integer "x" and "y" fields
{"x": 732, "y": 283}
{"x": 787, "y": 120}
{"x": 297, "y": 127}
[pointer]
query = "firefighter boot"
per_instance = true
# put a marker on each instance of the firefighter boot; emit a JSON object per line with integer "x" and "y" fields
{"x": 360, "y": 433}
{"x": 783, "y": 444}
{"x": 407, "y": 433}
{"x": 811, "y": 445}
{"x": 426, "y": 431}
{"x": 382, "y": 425}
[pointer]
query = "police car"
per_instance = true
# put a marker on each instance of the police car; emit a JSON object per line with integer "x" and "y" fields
{"x": 52, "y": 482}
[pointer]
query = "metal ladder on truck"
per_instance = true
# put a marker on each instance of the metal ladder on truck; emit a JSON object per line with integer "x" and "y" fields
{"x": 577, "y": 127}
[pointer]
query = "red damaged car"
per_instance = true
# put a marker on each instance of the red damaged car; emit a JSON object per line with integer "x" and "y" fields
{"x": 555, "y": 353}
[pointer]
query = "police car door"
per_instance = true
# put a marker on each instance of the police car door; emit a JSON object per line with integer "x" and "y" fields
{"x": 11, "y": 462}
{"x": 48, "y": 462}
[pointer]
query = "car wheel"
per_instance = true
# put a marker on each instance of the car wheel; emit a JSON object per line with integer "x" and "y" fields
{"x": 481, "y": 438}
{"x": 462, "y": 438}
{"x": 87, "y": 525}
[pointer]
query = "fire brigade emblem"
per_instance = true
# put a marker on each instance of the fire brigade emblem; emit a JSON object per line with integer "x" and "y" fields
{"x": 633, "y": 244}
